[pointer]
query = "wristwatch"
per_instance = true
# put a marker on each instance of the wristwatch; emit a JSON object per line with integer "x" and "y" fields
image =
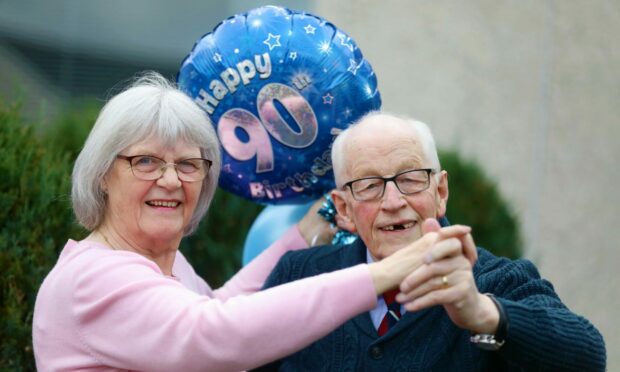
{"x": 492, "y": 342}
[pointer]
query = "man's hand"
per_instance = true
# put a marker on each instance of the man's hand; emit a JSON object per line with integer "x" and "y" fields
{"x": 446, "y": 279}
{"x": 392, "y": 270}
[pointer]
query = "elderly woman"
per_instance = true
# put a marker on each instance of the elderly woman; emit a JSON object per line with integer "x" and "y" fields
{"x": 126, "y": 298}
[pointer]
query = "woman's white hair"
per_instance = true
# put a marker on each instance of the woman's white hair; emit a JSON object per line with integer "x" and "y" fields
{"x": 151, "y": 106}
{"x": 426, "y": 136}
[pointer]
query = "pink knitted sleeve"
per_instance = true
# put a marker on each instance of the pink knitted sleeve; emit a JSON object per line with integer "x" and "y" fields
{"x": 252, "y": 277}
{"x": 129, "y": 316}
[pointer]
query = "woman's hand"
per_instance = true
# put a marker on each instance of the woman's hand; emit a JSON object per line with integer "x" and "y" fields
{"x": 391, "y": 271}
{"x": 314, "y": 228}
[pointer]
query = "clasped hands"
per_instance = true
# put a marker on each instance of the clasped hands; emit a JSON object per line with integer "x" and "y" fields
{"x": 434, "y": 270}
{"x": 440, "y": 273}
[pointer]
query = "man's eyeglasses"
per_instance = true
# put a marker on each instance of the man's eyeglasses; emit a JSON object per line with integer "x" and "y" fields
{"x": 149, "y": 168}
{"x": 407, "y": 182}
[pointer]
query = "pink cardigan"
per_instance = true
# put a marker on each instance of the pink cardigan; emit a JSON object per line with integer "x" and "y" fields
{"x": 103, "y": 310}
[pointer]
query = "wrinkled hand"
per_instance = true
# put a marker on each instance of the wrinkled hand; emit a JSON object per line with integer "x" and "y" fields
{"x": 314, "y": 228}
{"x": 390, "y": 272}
{"x": 446, "y": 278}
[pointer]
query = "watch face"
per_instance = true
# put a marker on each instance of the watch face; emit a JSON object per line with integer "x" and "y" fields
{"x": 486, "y": 342}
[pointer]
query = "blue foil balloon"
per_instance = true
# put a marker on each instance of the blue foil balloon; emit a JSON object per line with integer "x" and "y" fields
{"x": 269, "y": 226}
{"x": 278, "y": 85}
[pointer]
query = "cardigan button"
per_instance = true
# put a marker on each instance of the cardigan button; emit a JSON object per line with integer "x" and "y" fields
{"x": 376, "y": 352}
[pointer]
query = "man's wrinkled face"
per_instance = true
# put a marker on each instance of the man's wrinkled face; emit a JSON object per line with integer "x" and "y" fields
{"x": 385, "y": 147}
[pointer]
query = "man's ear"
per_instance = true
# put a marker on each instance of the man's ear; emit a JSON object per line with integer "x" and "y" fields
{"x": 442, "y": 194}
{"x": 344, "y": 214}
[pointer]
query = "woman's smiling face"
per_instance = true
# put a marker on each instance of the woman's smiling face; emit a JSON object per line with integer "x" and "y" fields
{"x": 151, "y": 212}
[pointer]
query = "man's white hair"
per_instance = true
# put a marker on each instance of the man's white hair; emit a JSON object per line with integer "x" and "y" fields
{"x": 426, "y": 136}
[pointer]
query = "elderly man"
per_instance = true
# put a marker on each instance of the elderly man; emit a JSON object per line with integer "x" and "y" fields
{"x": 455, "y": 311}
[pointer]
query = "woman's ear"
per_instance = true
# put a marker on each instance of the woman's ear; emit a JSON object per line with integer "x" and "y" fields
{"x": 343, "y": 217}
{"x": 104, "y": 185}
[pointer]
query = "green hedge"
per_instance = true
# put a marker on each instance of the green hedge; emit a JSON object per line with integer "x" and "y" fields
{"x": 36, "y": 221}
{"x": 37, "y": 218}
{"x": 474, "y": 200}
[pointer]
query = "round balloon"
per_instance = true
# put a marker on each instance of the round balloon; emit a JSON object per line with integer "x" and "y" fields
{"x": 278, "y": 85}
{"x": 270, "y": 224}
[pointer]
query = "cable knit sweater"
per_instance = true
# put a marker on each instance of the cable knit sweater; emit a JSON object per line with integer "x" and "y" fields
{"x": 543, "y": 335}
{"x": 105, "y": 310}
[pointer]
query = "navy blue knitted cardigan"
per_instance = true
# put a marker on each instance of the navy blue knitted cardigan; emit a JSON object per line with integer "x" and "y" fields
{"x": 543, "y": 334}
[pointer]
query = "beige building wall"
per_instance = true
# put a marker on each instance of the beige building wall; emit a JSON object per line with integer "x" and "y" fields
{"x": 531, "y": 91}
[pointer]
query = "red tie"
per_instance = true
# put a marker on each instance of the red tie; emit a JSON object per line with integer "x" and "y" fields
{"x": 389, "y": 320}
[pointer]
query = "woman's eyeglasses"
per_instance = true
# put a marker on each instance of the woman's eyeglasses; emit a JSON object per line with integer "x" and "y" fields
{"x": 149, "y": 168}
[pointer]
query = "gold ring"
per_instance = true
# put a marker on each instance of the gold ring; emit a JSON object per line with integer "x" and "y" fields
{"x": 444, "y": 281}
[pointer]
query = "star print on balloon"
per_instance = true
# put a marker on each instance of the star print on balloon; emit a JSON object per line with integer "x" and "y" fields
{"x": 278, "y": 85}
{"x": 273, "y": 41}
